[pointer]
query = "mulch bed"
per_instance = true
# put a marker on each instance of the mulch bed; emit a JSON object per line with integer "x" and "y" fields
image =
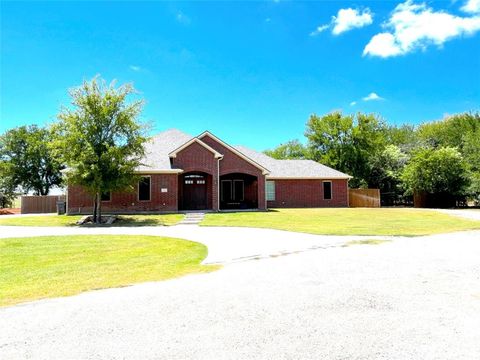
{"x": 9, "y": 211}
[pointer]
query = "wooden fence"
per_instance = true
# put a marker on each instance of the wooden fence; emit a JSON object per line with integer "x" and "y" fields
{"x": 40, "y": 204}
{"x": 364, "y": 197}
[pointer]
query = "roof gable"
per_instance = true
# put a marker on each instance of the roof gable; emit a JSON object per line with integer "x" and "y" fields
{"x": 174, "y": 153}
{"x": 265, "y": 170}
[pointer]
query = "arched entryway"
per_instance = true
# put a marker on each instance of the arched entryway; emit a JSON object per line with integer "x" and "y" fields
{"x": 194, "y": 191}
{"x": 238, "y": 191}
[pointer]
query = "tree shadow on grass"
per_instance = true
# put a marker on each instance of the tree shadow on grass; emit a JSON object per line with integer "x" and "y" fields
{"x": 127, "y": 221}
{"x": 134, "y": 222}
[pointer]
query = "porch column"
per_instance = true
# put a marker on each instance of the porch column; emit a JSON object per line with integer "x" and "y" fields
{"x": 262, "y": 203}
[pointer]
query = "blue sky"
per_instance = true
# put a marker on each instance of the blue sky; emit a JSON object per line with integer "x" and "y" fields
{"x": 250, "y": 72}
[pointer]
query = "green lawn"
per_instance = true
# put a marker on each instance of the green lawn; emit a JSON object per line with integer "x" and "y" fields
{"x": 40, "y": 267}
{"x": 70, "y": 220}
{"x": 347, "y": 221}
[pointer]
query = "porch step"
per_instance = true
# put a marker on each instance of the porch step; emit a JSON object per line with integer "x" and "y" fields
{"x": 192, "y": 219}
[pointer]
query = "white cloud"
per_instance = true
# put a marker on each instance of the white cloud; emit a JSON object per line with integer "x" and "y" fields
{"x": 348, "y": 19}
{"x": 414, "y": 26}
{"x": 372, "y": 97}
{"x": 383, "y": 45}
{"x": 135, "y": 68}
{"x": 319, "y": 29}
{"x": 353, "y": 103}
{"x": 471, "y": 6}
{"x": 182, "y": 18}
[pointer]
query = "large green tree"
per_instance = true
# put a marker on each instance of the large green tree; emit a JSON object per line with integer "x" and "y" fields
{"x": 29, "y": 161}
{"x": 292, "y": 149}
{"x": 347, "y": 143}
{"x": 437, "y": 171}
{"x": 461, "y": 131}
{"x": 449, "y": 131}
{"x": 102, "y": 138}
{"x": 7, "y": 188}
{"x": 385, "y": 173}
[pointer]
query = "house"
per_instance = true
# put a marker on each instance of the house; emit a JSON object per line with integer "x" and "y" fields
{"x": 182, "y": 172}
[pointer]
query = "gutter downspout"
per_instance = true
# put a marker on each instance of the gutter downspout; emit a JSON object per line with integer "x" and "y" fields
{"x": 218, "y": 183}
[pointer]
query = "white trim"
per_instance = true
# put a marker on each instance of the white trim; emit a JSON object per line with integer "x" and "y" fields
{"x": 306, "y": 178}
{"x": 149, "y": 188}
{"x": 173, "y": 154}
{"x": 331, "y": 189}
{"x": 265, "y": 171}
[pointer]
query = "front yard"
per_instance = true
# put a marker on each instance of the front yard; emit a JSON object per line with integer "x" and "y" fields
{"x": 51, "y": 266}
{"x": 347, "y": 221}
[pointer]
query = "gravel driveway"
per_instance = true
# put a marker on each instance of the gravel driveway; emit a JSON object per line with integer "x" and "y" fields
{"x": 225, "y": 244}
{"x": 412, "y": 298}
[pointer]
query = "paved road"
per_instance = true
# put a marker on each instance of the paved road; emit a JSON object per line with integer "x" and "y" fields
{"x": 416, "y": 298}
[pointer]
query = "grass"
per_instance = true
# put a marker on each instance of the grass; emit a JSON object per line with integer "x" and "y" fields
{"x": 347, "y": 221}
{"x": 70, "y": 220}
{"x": 41, "y": 267}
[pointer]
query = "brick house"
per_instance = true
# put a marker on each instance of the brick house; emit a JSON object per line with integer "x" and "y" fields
{"x": 182, "y": 172}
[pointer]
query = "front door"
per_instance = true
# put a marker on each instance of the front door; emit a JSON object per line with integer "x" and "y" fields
{"x": 194, "y": 192}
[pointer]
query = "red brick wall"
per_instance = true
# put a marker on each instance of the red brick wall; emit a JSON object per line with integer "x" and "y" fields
{"x": 80, "y": 202}
{"x": 196, "y": 158}
{"x": 232, "y": 163}
{"x": 308, "y": 193}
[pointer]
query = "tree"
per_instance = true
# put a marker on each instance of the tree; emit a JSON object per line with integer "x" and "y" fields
{"x": 7, "y": 188}
{"x": 440, "y": 171}
{"x": 471, "y": 153}
{"x": 347, "y": 143}
{"x": 385, "y": 173}
{"x": 292, "y": 149}
{"x": 403, "y": 136}
{"x": 330, "y": 140}
{"x": 449, "y": 131}
{"x": 102, "y": 139}
{"x": 29, "y": 160}
{"x": 461, "y": 131}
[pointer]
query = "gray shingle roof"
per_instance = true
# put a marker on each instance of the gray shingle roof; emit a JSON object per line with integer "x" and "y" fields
{"x": 157, "y": 149}
{"x": 160, "y": 145}
{"x": 293, "y": 169}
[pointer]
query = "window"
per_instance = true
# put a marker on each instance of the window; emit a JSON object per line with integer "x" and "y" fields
{"x": 144, "y": 189}
{"x": 106, "y": 196}
{"x": 188, "y": 182}
{"x": 327, "y": 190}
{"x": 270, "y": 189}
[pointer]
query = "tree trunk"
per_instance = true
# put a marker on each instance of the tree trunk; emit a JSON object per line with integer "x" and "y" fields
{"x": 99, "y": 208}
{"x": 94, "y": 219}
